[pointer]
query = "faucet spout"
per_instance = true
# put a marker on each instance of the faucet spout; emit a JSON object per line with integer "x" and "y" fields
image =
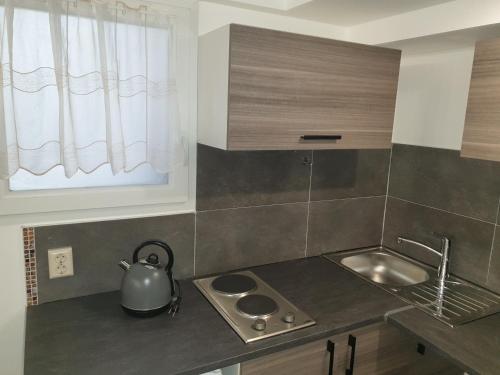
{"x": 443, "y": 254}
{"x": 420, "y": 244}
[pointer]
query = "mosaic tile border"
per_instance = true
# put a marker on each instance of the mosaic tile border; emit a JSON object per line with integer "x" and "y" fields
{"x": 30, "y": 265}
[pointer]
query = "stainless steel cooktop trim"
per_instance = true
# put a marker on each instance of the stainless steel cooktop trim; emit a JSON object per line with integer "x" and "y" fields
{"x": 242, "y": 323}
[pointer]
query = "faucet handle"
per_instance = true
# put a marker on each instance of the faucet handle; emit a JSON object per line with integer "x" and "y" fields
{"x": 445, "y": 240}
{"x": 443, "y": 237}
{"x": 439, "y": 235}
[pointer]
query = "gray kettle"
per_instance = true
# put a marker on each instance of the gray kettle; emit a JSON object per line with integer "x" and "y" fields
{"x": 148, "y": 288}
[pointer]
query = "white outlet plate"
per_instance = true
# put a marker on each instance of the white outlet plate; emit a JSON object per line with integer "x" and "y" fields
{"x": 60, "y": 262}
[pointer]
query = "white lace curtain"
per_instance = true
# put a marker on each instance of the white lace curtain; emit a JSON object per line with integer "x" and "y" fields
{"x": 88, "y": 82}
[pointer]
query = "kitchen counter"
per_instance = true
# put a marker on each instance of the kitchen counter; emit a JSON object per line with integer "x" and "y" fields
{"x": 475, "y": 346}
{"x": 92, "y": 335}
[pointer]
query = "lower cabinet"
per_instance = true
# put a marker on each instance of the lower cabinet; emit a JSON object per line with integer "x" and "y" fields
{"x": 311, "y": 359}
{"x": 377, "y": 349}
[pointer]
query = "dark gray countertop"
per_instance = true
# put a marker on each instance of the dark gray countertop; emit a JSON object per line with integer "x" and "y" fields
{"x": 91, "y": 335}
{"x": 475, "y": 346}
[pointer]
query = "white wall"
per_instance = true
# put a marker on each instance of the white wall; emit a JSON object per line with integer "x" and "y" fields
{"x": 433, "y": 86}
{"x": 213, "y": 16}
{"x": 443, "y": 18}
{"x": 432, "y": 98}
{"x": 12, "y": 300}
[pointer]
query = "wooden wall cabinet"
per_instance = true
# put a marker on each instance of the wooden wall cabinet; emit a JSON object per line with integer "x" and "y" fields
{"x": 481, "y": 138}
{"x": 378, "y": 349}
{"x": 262, "y": 89}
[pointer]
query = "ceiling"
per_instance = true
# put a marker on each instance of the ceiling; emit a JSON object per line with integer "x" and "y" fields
{"x": 337, "y": 12}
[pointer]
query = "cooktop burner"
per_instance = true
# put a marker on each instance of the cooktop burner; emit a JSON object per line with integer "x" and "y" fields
{"x": 251, "y": 307}
{"x": 257, "y": 305}
{"x": 234, "y": 284}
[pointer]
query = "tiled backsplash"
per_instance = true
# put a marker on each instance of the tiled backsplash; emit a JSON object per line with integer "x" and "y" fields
{"x": 231, "y": 179}
{"x": 30, "y": 266}
{"x": 252, "y": 208}
{"x": 261, "y": 207}
{"x": 345, "y": 224}
{"x": 435, "y": 190}
{"x": 257, "y": 207}
{"x": 349, "y": 174}
{"x": 98, "y": 246}
{"x": 243, "y": 237}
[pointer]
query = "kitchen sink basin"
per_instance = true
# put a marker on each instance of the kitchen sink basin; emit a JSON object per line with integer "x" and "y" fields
{"x": 454, "y": 303}
{"x": 382, "y": 267}
{"x": 385, "y": 268}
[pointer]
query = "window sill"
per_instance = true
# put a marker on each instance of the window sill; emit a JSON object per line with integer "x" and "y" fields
{"x": 177, "y": 196}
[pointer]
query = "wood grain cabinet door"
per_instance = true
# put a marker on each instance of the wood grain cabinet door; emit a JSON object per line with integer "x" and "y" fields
{"x": 283, "y": 86}
{"x": 308, "y": 359}
{"x": 378, "y": 350}
{"x": 481, "y": 139}
{"x": 385, "y": 350}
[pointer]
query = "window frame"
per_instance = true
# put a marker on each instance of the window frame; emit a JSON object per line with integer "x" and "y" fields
{"x": 177, "y": 196}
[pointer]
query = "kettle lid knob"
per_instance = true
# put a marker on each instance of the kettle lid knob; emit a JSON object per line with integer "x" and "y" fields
{"x": 152, "y": 259}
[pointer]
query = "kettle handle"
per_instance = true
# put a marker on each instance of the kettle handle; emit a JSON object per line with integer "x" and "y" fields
{"x": 163, "y": 245}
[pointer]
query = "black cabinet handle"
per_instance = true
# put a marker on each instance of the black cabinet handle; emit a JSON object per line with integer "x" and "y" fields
{"x": 352, "y": 343}
{"x": 330, "y": 346}
{"x": 320, "y": 137}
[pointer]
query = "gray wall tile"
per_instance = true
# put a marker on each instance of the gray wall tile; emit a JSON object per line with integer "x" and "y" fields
{"x": 349, "y": 173}
{"x": 232, "y": 232}
{"x": 494, "y": 270}
{"x": 442, "y": 179}
{"x": 228, "y": 179}
{"x": 97, "y": 248}
{"x": 237, "y": 238}
{"x": 470, "y": 238}
{"x": 344, "y": 224}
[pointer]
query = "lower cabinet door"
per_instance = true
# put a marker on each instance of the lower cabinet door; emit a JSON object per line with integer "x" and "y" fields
{"x": 378, "y": 349}
{"x": 323, "y": 357}
{"x": 383, "y": 349}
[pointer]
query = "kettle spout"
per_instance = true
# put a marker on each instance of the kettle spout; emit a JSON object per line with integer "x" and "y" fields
{"x": 124, "y": 265}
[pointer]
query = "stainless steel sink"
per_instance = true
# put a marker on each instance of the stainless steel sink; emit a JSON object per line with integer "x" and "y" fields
{"x": 385, "y": 268}
{"x": 454, "y": 303}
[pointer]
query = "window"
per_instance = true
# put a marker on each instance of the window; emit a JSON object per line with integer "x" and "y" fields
{"x": 96, "y": 94}
{"x": 102, "y": 177}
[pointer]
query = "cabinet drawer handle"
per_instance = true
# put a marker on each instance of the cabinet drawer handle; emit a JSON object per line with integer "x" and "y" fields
{"x": 352, "y": 343}
{"x": 330, "y": 346}
{"x": 320, "y": 137}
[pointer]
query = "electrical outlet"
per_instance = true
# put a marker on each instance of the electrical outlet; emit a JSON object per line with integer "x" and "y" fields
{"x": 60, "y": 262}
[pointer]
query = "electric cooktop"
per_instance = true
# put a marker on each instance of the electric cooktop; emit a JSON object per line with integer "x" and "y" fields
{"x": 251, "y": 307}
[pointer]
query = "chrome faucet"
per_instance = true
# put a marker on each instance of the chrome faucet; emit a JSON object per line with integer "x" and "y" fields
{"x": 444, "y": 254}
